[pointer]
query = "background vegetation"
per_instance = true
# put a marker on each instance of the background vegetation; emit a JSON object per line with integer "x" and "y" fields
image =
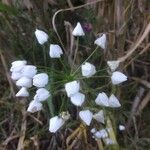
{"x": 127, "y": 25}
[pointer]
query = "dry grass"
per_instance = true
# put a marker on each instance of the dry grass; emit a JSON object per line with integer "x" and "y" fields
{"x": 127, "y": 25}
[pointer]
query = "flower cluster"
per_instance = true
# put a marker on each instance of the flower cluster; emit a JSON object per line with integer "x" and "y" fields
{"x": 26, "y": 76}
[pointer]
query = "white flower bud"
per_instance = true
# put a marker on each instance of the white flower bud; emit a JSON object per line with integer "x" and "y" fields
{"x": 17, "y": 65}
{"x": 34, "y": 106}
{"x": 72, "y": 88}
{"x": 101, "y": 134}
{"x": 113, "y": 65}
{"x": 78, "y": 31}
{"x": 86, "y": 116}
{"x": 109, "y": 141}
{"x": 77, "y": 99}
{"x": 40, "y": 80}
{"x": 88, "y": 70}
{"x": 55, "y": 51}
{"x": 93, "y": 130}
{"x": 118, "y": 77}
{"x": 41, "y": 95}
{"x": 114, "y": 102}
{"x": 41, "y": 36}
{"x": 22, "y": 92}
{"x": 121, "y": 128}
{"x": 99, "y": 117}
{"x": 16, "y": 75}
{"x": 102, "y": 99}
{"x": 29, "y": 71}
{"x": 24, "y": 82}
{"x": 101, "y": 41}
{"x": 55, "y": 123}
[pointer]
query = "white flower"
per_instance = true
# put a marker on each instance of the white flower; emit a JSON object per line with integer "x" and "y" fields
{"x": 77, "y": 99}
{"x": 24, "y": 82}
{"x": 55, "y": 51}
{"x": 41, "y": 95}
{"x": 113, "y": 65}
{"x": 34, "y": 106}
{"x": 16, "y": 75}
{"x": 88, "y": 70}
{"x": 109, "y": 141}
{"x": 78, "y": 31}
{"x": 114, "y": 102}
{"x": 40, "y": 80}
{"x": 121, "y": 128}
{"x": 118, "y": 77}
{"x": 41, "y": 36}
{"x": 72, "y": 88}
{"x": 102, "y": 99}
{"x": 29, "y": 71}
{"x": 17, "y": 65}
{"x": 101, "y": 134}
{"x": 55, "y": 123}
{"x": 93, "y": 130}
{"x": 101, "y": 41}
{"x": 22, "y": 92}
{"x": 99, "y": 116}
{"x": 86, "y": 116}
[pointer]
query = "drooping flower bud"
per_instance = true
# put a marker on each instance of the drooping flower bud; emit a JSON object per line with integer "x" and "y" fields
{"x": 41, "y": 36}
{"x": 78, "y": 30}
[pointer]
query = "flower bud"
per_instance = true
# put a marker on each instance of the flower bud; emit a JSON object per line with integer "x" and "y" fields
{"x": 78, "y": 31}
{"x": 41, "y": 36}
{"x": 55, "y": 51}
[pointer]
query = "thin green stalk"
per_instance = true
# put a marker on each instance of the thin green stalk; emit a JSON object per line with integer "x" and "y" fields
{"x": 50, "y": 106}
{"x": 85, "y": 60}
{"x": 44, "y": 55}
{"x": 62, "y": 64}
{"x": 75, "y": 54}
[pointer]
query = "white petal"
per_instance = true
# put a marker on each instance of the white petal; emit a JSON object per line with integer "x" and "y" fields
{"x": 109, "y": 141}
{"x": 17, "y": 65}
{"x": 86, "y": 116}
{"x": 121, "y": 128}
{"x": 24, "y": 82}
{"x": 41, "y": 95}
{"x": 40, "y": 80}
{"x": 34, "y": 106}
{"x": 29, "y": 71}
{"x": 55, "y": 51}
{"x": 102, "y": 99}
{"x": 114, "y": 102}
{"x": 77, "y": 99}
{"x": 93, "y": 130}
{"x": 99, "y": 116}
{"x": 55, "y": 123}
{"x": 22, "y": 92}
{"x": 78, "y": 31}
{"x": 41, "y": 36}
{"x": 118, "y": 77}
{"x": 88, "y": 70}
{"x": 101, "y": 41}
{"x": 16, "y": 75}
{"x": 101, "y": 134}
{"x": 72, "y": 88}
{"x": 113, "y": 65}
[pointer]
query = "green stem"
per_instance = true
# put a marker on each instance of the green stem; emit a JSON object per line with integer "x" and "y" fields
{"x": 62, "y": 64}
{"x": 44, "y": 55}
{"x": 85, "y": 60}
{"x": 50, "y": 106}
{"x": 76, "y": 51}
